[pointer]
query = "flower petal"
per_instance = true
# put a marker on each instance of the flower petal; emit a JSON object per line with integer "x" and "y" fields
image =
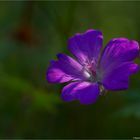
{"x": 64, "y": 70}
{"x": 116, "y": 52}
{"x": 118, "y": 79}
{"x": 86, "y": 46}
{"x": 85, "y": 92}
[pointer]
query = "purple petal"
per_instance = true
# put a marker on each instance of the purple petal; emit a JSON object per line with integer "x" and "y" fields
{"x": 85, "y": 92}
{"x": 64, "y": 70}
{"x": 118, "y": 79}
{"x": 86, "y": 46}
{"x": 117, "y": 51}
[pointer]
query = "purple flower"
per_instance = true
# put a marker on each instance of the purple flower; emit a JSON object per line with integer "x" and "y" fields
{"x": 94, "y": 72}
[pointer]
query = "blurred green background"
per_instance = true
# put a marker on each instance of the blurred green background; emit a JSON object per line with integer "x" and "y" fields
{"x": 31, "y": 34}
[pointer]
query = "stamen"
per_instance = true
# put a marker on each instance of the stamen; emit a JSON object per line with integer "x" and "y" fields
{"x": 87, "y": 75}
{"x": 103, "y": 91}
{"x": 90, "y": 70}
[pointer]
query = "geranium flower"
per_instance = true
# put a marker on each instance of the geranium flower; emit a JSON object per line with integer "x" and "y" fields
{"x": 94, "y": 72}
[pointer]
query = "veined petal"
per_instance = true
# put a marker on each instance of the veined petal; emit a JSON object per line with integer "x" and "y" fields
{"x": 86, "y": 46}
{"x": 118, "y": 79}
{"x": 117, "y": 51}
{"x": 64, "y": 70}
{"x": 85, "y": 92}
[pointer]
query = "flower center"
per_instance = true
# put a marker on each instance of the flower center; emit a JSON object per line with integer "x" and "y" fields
{"x": 92, "y": 75}
{"x": 90, "y": 71}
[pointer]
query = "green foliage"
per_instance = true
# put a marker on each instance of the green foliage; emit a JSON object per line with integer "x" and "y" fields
{"x": 131, "y": 109}
{"x": 40, "y": 98}
{"x": 32, "y": 33}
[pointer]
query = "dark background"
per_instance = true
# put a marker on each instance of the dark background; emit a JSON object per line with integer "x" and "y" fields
{"x": 31, "y": 34}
